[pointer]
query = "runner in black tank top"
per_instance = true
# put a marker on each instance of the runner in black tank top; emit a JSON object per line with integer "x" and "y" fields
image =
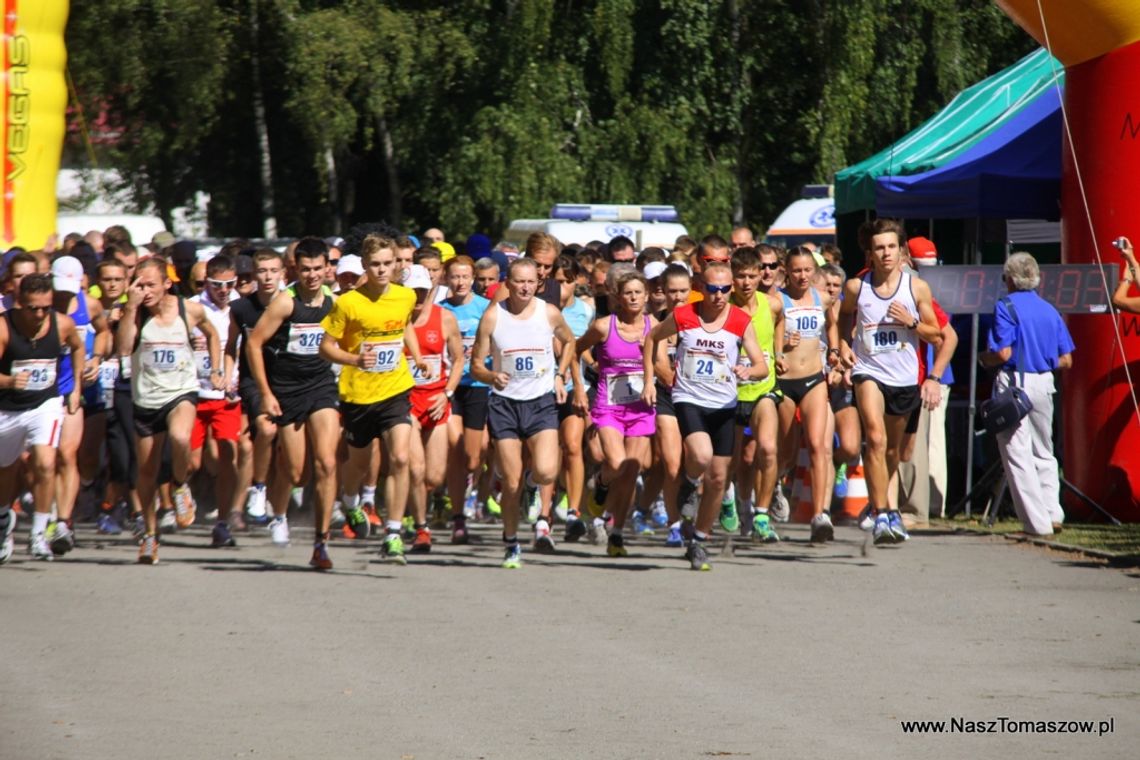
{"x": 32, "y": 340}
{"x": 299, "y": 393}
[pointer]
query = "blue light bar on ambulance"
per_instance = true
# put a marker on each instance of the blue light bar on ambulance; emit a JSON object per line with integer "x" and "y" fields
{"x": 609, "y": 212}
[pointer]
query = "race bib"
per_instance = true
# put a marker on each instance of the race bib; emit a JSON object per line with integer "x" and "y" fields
{"x": 808, "y": 323}
{"x": 525, "y": 363}
{"x": 468, "y": 348}
{"x": 625, "y": 388}
{"x": 40, "y": 372}
{"x": 125, "y": 367}
{"x": 884, "y": 338}
{"x": 304, "y": 339}
{"x": 388, "y": 353}
{"x": 202, "y": 362}
{"x": 704, "y": 367}
{"x": 163, "y": 357}
{"x": 108, "y": 374}
{"x": 435, "y": 370}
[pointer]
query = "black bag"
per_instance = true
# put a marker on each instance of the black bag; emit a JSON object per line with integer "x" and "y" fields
{"x": 1010, "y": 405}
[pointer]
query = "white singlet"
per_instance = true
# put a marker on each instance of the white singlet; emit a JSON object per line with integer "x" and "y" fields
{"x": 705, "y": 359}
{"x": 524, "y": 349}
{"x": 884, "y": 349}
{"x": 220, "y": 319}
{"x": 162, "y": 367}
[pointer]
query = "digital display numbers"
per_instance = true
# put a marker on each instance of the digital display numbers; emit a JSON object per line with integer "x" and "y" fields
{"x": 1071, "y": 288}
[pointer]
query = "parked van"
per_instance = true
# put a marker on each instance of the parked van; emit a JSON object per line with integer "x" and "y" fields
{"x": 810, "y": 219}
{"x": 583, "y": 223}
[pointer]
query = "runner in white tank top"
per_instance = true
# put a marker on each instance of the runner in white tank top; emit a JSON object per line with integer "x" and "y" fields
{"x": 882, "y": 316}
{"x": 155, "y": 330}
{"x": 526, "y": 386}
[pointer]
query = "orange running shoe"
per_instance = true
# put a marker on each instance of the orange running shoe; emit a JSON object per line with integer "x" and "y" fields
{"x": 370, "y": 510}
{"x": 422, "y": 544}
{"x": 148, "y": 550}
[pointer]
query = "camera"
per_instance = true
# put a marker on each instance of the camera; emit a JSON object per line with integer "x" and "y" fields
{"x": 1120, "y": 243}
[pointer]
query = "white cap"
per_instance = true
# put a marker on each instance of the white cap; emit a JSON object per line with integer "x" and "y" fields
{"x": 654, "y": 269}
{"x": 350, "y": 264}
{"x": 418, "y": 278}
{"x": 67, "y": 274}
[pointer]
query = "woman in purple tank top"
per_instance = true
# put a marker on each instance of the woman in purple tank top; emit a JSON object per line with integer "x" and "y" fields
{"x": 624, "y": 423}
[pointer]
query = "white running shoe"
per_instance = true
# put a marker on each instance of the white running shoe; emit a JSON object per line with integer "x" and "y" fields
{"x": 185, "y": 510}
{"x": 255, "y": 504}
{"x": 7, "y": 540}
{"x": 38, "y": 547}
{"x": 167, "y": 523}
{"x": 279, "y": 531}
{"x": 821, "y": 529}
{"x": 780, "y": 511}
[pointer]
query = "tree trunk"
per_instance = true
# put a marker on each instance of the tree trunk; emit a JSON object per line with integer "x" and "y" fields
{"x": 265, "y": 165}
{"x": 332, "y": 192}
{"x": 391, "y": 172}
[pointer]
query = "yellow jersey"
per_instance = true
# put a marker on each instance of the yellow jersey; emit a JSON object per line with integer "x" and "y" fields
{"x": 361, "y": 324}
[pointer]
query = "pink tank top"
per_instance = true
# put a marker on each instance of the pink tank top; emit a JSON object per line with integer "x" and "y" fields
{"x": 620, "y": 379}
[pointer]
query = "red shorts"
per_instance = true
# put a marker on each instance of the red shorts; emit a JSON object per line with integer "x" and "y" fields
{"x": 221, "y": 416}
{"x": 421, "y": 404}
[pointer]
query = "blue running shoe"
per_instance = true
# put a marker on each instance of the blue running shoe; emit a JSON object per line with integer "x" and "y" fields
{"x": 659, "y": 516}
{"x": 898, "y": 530}
{"x": 762, "y": 528}
{"x": 512, "y": 559}
{"x": 640, "y": 525}
{"x": 674, "y": 539}
{"x": 882, "y": 531}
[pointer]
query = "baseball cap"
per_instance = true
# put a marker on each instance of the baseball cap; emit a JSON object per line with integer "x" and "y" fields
{"x": 350, "y": 264}
{"x": 446, "y": 250}
{"x": 335, "y": 241}
{"x": 162, "y": 239}
{"x": 243, "y": 264}
{"x": 654, "y": 269}
{"x": 67, "y": 274}
{"x": 922, "y": 251}
{"x": 418, "y": 278}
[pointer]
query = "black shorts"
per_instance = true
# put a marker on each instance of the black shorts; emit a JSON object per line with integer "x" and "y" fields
{"x": 720, "y": 424}
{"x": 841, "y": 398}
{"x": 566, "y": 409}
{"x": 798, "y": 389}
{"x": 897, "y": 401}
{"x": 508, "y": 418}
{"x": 470, "y": 403}
{"x": 363, "y": 423}
{"x": 122, "y": 463}
{"x": 665, "y": 401}
{"x": 150, "y": 422}
{"x": 297, "y": 407}
{"x": 250, "y": 402}
{"x": 912, "y": 421}
{"x": 744, "y": 409}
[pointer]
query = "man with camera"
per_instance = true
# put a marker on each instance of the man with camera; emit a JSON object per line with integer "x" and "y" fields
{"x": 1027, "y": 343}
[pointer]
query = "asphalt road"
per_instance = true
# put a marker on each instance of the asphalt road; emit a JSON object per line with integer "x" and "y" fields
{"x": 780, "y": 651}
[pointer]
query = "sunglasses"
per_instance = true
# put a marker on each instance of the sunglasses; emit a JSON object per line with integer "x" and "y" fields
{"x": 222, "y": 283}
{"x": 717, "y": 288}
{"x": 771, "y": 266}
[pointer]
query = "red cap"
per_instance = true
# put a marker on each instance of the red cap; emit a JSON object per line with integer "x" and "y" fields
{"x": 922, "y": 251}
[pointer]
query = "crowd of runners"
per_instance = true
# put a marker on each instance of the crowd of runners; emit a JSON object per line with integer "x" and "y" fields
{"x": 596, "y": 388}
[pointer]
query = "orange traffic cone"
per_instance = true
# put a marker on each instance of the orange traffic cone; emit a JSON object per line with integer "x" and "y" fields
{"x": 856, "y": 499}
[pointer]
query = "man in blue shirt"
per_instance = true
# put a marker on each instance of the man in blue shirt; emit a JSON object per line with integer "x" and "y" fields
{"x": 1034, "y": 341}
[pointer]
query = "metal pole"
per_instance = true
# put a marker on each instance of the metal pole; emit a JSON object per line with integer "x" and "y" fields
{"x": 971, "y": 411}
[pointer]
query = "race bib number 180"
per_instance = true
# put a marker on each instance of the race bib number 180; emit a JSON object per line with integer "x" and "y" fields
{"x": 884, "y": 338}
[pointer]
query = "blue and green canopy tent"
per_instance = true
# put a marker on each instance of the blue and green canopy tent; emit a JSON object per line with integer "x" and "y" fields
{"x": 975, "y": 114}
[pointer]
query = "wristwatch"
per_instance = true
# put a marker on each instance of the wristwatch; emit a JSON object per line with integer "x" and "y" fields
{"x": 914, "y": 326}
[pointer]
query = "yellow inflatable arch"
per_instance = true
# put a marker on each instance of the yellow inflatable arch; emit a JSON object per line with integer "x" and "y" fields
{"x": 34, "y": 105}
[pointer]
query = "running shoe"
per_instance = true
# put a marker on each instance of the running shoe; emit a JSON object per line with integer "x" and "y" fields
{"x": 866, "y": 518}
{"x": 255, "y": 510}
{"x": 512, "y": 559}
{"x": 780, "y": 510}
{"x": 221, "y": 538}
{"x": 279, "y": 531}
{"x": 369, "y": 510}
{"x": 532, "y": 499}
{"x": 659, "y": 516}
{"x": 108, "y": 522}
{"x": 615, "y": 547}
{"x": 882, "y": 531}
{"x": 469, "y": 504}
{"x": 822, "y": 530}
{"x": 598, "y": 497}
{"x": 408, "y": 528}
{"x": 575, "y": 528}
{"x": 422, "y": 542}
{"x": 543, "y": 541}
{"x": 674, "y": 539}
{"x": 167, "y": 523}
{"x": 320, "y": 559}
{"x": 138, "y": 525}
{"x": 356, "y": 523}
{"x": 562, "y": 507}
{"x": 746, "y": 514}
{"x": 336, "y": 519}
{"x": 697, "y": 556}
{"x": 598, "y": 530}
{"x": 393, "y": 549}
{"x": 7, "y": 540}
{"x": 493, "y": 507}
{"x": 729, "y": 519}
{"x": 840, "y": 489}
{"x": 641, "y": 526}
{"x": 459, "y": 529}
{"x": 60, "y": 538}
{"x": 898, "y": 530}
{"x": 688, "y": 498}
{"x": 762, "y": 529}
{"x": 184, "y": 509}
{"x": 297, "y": 497}
{"x": 148, "y": 549}
{"x": 38, "y": 547}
